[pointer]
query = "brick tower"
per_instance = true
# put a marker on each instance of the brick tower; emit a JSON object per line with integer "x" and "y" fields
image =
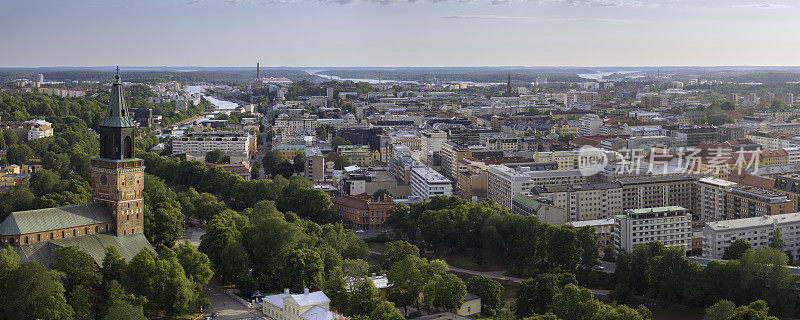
{"x": 118, "y": 176}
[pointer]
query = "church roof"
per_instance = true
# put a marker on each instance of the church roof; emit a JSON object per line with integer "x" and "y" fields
{"x": 94, "y": 244}
{"x": 118, "y": 115}
{"x": 40, "y": 220}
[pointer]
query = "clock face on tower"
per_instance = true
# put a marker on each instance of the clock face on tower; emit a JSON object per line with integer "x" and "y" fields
{"x": 103, "y": 180}
{"x": 129, "y": 179}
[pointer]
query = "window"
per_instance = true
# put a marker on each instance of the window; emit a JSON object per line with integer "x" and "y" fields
{"x": 51, "y": 236}
{"x": 38, "y": 237}
{"x": 26, "y": 239}
{"x": 62, "y": 234}
{"x": 74, "y": 232}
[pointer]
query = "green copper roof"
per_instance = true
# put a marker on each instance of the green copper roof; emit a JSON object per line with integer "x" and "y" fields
{"x": 118, "y": 115}
{"x": 94, "y": 244}
{"x": 31, "y": 221}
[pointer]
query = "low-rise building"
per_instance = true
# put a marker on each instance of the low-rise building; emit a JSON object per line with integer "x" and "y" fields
{"x": 362, "y": 211}
{"x": 757, "y": 231}
{"x": 604, "y": 228}
{"x": 305, "y": 306}
{"x": 543, "y": 209}
{"x": 672, "y": 226}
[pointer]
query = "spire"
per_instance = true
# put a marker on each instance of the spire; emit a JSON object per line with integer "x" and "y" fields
{"x": 117, "y": 115}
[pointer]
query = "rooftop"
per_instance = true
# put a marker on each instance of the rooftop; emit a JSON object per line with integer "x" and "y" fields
{"x": 753, "y": 222}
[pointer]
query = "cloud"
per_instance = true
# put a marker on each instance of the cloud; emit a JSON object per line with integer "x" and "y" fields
{"x": 524, "y": 18}
{"x": 193, "y": 2}
{"x": 477, "y": 17}
{"x": 602, "y": 3}
{"x": 762, "y": 6}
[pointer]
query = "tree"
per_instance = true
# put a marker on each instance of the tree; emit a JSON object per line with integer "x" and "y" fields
{"x": 114, "y": 266}
{"x": 19, "y": 153}
{"x": 721, "y": 310}
{"x": 340, "y": 162}
{"x": 338, "y": 141}
{"x": 78, "y": 267}
{"x": 122, "y": 310}
{"x": 445, "y": 291}
{"x": 37, "y": 295}
{"x": 736, "y": 250}
{"x": 299, "y": 162}
{"x": 43, "y": 182}
{"x": 215, "y": 156}
{"x": 303, "y": 269}
{"x": 535, "y": 295}
{"x": 776, "y": 241}
{"x": 490, "y": 291}
{"x": 195, "y": 264}
{"x": 255, "y": 171}
{"x": 163, "y": 219}
{"x": 566, "y": 138}
{"x": 380, "y": 194}
{"x": 385, "y": 310}
{"x": 396, "y": 251}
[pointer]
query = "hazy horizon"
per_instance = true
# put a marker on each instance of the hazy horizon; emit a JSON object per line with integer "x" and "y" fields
{"x": 395, "y": 33}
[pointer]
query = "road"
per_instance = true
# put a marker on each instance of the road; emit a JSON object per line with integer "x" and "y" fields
{"x": 226, "y": 307}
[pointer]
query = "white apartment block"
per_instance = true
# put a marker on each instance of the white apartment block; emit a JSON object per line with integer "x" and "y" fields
{"x": 757, "y": 231}
{"x": 203, "y": 142}
{"x": 590, "y": 125}
{"x": 427, "y": 183}
{"x": 585, "y": 202}
{"x": 305, "y": 306}
{"x": 772, "y": 142}
{"x": 672, "y": 226}
{"x": 711, "y": 198}
{"x": 504, "y": 182}
{"x": 296, "y": 124}
{"x": 39, "y": 129}
{"x": 432, "y": 141}
{"x": 794, "y": 154}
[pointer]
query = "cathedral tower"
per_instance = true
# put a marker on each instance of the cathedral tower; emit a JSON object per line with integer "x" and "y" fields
{"x": 117, "y": 176}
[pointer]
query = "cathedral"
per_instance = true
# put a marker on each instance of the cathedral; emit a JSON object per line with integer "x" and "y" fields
{"x": 116, "y": 215}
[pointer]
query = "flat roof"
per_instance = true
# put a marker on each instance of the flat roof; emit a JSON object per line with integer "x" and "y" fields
{"x": 753, "y": 222}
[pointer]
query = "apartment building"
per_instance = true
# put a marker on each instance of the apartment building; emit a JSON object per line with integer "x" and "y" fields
{"x": 672, "y": 226}
{"x": 29, "y": 130}
{"x": 773, "y": 140}
{"x": 604, "y": 228}
{"x": 296, "y": 125}
{"x": 650, "y": 191}
{"x": 504, "y": 182}
{"x": 747, "y": 201}
{"x": 199, "y": 143}
{"x": 431, "y": 141}
{"x": 711, "y": 198}
{"x": 590, "y": 125}
{"x": 654, "y": 101}
{"x": 362, "y": 211}
{"x": 790, "y": 186}
{"x": 569, "y": 160}
{"x": 358, "y": 155}
{"x": 518, "y": 144}
{"x": 527, "y": 204}
{"x": 757, "y": 231}
{"x": 582, "y": 202}
{"x": 427, "y": 183}
{"x": 473, "y": 176}
{"x": 314, "y": 164}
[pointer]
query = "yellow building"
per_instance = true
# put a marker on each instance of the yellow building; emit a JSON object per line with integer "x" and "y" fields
{"x": 307, "y": 305}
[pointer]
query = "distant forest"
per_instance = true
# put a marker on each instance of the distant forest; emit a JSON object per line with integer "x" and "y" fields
{"x": 481, "y": 75}
{"x": 219, "y": 77}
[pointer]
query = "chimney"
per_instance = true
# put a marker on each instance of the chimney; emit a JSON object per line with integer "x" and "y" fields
{"x": 258, "y": 70}
{"x": 285, "y": 290}
{"x": 305, "y": 291}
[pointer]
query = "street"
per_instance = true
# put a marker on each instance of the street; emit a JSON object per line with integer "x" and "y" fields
{"x": 226, "y": 307}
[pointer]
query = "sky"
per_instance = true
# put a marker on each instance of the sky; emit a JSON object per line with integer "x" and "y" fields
{"x": 397, "y": 33}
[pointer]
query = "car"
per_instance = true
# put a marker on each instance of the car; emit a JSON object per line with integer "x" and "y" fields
{"x": 599, "y": 267}
{"x": 359, "y": 231}
{"x": 214, "y": 315}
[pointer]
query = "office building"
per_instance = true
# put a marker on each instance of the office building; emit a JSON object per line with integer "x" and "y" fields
{"x": 504, "y": 182}
{"x": 427, "y": 183}
{"x": 590, "y": 125}
{"x": 672, "y": 226}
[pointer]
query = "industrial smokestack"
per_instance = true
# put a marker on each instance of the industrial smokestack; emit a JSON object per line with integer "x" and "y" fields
{"x": 258, "y": 70}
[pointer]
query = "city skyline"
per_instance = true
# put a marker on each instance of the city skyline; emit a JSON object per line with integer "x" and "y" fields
{"x": 566, "y": 33}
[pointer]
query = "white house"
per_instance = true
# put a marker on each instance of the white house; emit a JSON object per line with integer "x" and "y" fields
{"x": 305, "y": 306}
